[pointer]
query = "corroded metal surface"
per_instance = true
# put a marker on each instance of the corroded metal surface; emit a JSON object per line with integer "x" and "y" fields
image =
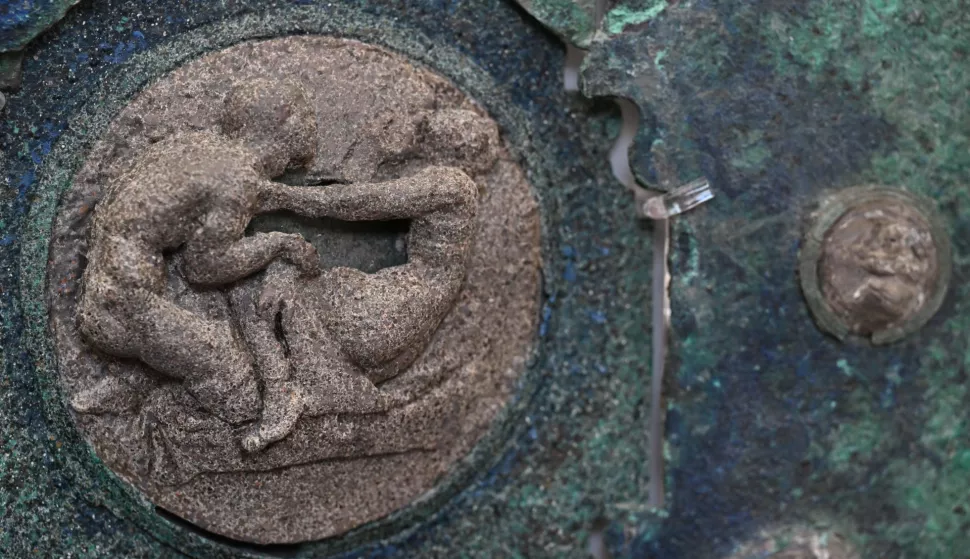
{"x": 770, "y": 421}
{"x": 780, "y": 104}
{"x": 23, "y": 20}
{"x": 20, "y": 22}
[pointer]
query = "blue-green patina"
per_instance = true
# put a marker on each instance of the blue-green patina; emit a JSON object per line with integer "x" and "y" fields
{"x": 777, "y": 103}
{"x": 770, "y": 422}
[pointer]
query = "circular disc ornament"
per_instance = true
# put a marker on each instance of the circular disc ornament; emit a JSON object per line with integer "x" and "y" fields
{"x": 875, "y": 264}
{"x": 393, "y": 366}
{"x": 111, "y": 85}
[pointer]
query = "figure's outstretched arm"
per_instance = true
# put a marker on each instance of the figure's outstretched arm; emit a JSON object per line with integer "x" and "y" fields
{"x": 433, "y": 189}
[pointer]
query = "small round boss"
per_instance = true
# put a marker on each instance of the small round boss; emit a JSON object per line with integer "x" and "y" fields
{"x": 875, "y": 264}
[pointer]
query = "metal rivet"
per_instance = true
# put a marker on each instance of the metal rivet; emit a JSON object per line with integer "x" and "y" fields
{"x": 875, "y": 263}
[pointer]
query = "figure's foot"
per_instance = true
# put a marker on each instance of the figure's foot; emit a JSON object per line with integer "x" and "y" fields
{"x": 282, "y": 406}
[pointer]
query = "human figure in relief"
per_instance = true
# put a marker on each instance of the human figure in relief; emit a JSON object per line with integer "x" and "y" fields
{"x": 196, "y": 193}
{"x": 344, "y": 329}
{"x": 347, "y": 331}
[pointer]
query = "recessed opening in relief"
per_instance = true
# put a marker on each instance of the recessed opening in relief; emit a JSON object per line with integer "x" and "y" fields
{"x": 307, "y": 276}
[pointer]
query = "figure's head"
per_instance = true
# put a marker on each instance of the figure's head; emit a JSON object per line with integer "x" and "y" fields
{"x": 275, "y": 119}
{"x": 461, "y": 138}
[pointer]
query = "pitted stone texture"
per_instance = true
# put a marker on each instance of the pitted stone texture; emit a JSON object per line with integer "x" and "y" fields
{"x": 381, "y": 124}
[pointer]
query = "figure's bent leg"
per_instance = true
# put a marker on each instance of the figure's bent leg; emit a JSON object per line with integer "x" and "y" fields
{"x": 207, "y": 354}
{"x": 318, "y": 367}
{"x": 99, "y": 321}
{"x": 283, "y": 400}
{"x": 103, "y": 327}
{"x": 122, "y": 389}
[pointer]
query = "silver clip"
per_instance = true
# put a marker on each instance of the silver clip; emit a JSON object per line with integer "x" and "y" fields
{"x": 678, "y": 200}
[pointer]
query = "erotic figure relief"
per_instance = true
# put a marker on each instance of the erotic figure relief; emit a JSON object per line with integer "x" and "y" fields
{"x": 292, "y": 285}
{"x": 195, "y": 194}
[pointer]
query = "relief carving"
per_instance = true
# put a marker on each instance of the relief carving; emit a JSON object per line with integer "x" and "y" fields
{"x": 223, "y": 369}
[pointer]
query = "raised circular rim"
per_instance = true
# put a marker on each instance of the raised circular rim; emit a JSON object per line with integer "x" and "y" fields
{"x": 97, "y": 483}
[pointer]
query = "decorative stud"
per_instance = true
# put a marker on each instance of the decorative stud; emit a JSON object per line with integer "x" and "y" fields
{"x": 875, "y": 264}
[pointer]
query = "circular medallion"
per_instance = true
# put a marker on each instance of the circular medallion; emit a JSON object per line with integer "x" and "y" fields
{"x": 308, "y": 278}
{"x": 876, "y": 264}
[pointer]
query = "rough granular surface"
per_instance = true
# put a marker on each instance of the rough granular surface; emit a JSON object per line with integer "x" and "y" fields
{"x": 398, "y": 354}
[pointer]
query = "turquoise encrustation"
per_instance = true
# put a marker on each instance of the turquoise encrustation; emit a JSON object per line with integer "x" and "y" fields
{"x": 21, "y": 22}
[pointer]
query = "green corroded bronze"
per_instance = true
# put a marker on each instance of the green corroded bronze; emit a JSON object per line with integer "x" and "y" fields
{"x": 574, "y": 21}
{"x": 24, "y": 20}
{"x": 779, "y": 104}
{"x": 10, "y": 63}
{"x": 773, "y": 425}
